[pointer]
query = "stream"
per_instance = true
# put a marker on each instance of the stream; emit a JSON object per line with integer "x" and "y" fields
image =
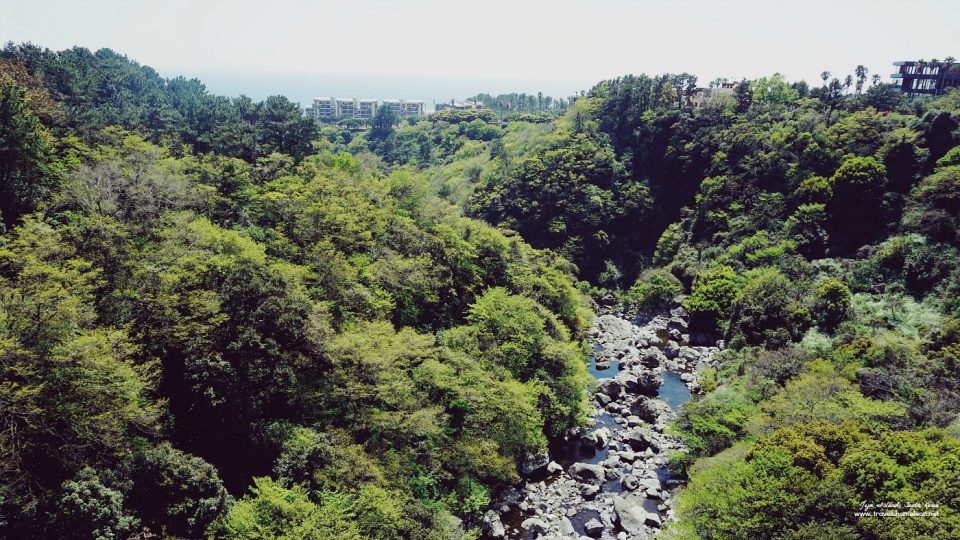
{"x": 611, "y": 480}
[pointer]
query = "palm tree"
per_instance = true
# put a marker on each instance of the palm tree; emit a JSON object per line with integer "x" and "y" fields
{"x": 861, "y": 72}
{"x": 824, "y": 75}
{"x": 947, "y": 68}
{"x": 876, "y": 79}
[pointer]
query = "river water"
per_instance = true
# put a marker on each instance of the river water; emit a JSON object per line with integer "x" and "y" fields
{"x": 551, "y": 505}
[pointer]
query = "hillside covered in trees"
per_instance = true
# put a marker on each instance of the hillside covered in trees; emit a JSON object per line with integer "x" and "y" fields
{"x": 219, "y": 319}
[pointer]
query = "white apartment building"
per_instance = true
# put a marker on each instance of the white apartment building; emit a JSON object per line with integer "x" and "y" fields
{"x": 346, "y": 107}
{"x": 412, "y": 107}
{"x": 702, "y": 96}
{"x": 366, "y": 108}
{"x": 326, "y": 108}
{"x": 323, "y": 108}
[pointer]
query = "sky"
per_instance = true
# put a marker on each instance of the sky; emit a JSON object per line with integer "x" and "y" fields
{"x": 443, "y": 49}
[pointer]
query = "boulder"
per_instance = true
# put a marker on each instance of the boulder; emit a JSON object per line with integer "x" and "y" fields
{"x": 602, "y": 399}
{"x": 492, "y": 526}
{"x": 554, "y": 468}
{"x": 603, "y": 436}
{"x": 629, "y": 482}
{"x": 535, "y": 525}
{"x": 633, "y": 517}
{"x": 566, "y": 528}
{"x": 610, "y": 387}
{"x": 671, "y": 350}
{"x": 593, "y": 528}
{"x": 634, "y": 421}
{"x": 677, "y": 323}
{"x": 587, "y": 473}
{"x": 603, "y": 364}
{"x": 534, "y": 464}
{"x": 651, "y": 357}
{"x": 589, "y": 491}
{"x": 645, "y": 383}
{"x": 649, "y": 410}
{"x": 641, "y": 439}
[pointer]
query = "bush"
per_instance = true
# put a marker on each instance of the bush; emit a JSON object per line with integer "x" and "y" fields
{"x": 832, "y": 302}
{"x": 711, "y": 299}
{"x": 766, "y": 312}
{"x": 273, "y": 512}
{"x": 653, "y": 291}
{"x": 934, "y": 207}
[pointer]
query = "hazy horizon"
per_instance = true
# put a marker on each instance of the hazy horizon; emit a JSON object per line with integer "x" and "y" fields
{"x": 435, "y": 51}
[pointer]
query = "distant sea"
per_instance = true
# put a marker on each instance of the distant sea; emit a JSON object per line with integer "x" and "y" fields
{"x": 302, "y": 88}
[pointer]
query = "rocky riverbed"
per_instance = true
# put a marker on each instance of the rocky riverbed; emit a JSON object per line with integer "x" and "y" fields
{"x": 611, "y": 481}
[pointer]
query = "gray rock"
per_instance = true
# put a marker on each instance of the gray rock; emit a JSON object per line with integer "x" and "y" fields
{"x": 535, "y": 525}
{"x": 633, "y": 517}
{"x": 649, "y": 410}
{"x": 554, "y": 468}
{"x": 629, "y": 482}
{"x": 603, "y": 436}
{"x": 602, "y": 399}
{"x": 671, "y": 350}
{"x": 677, "y": 323}
{"x": 634, "y": 421}
{"x": 603, "y": 364}
{"x": 610, "y": 387}
{"x": 587, "y": 473}
{"x": 534, "y": 464}
{"x": 566, "y": 528}
{"x": 641, "y": 439}
{"x": 593, "y": 528}
{"x": 652, "y": 357}
{"x": 492, "y": 526}
{"x": 589, "y": 491}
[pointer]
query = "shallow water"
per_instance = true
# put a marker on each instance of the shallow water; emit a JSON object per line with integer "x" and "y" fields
{"x": 673, "y": 391}
{"x": 608, "y": 373}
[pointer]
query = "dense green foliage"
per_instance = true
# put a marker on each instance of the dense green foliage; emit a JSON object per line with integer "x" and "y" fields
{"x": 218, "y": 318}
{"x": 214, "y": 322}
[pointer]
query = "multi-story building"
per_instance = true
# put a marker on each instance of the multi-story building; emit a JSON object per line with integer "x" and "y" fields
{"x": 712, "y": 94}
{"x": 393, "y": 105}
{"x": 404, "y": 108}
{"x": 920, "y": 77}
{"x": 346, "y": 107}
{"x": 413, "y": 107}
{"x": 366, "y": 108}
{"x": 467, "y": 105}
{"x": 325, "y": 108}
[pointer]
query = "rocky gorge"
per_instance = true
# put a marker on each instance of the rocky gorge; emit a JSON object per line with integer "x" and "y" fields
{"x": 611, "y": 480}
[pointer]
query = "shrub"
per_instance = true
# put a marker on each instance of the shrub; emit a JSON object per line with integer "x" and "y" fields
{"x": 653, "y": 291}
{"x": 832, "y": 303}
{"x": 711, "y": 298}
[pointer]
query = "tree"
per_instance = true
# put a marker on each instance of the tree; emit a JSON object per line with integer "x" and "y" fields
{"x": 653, "y": 291}
{"x": 24, "y": 153}
{"x": 855, "y": 208}
{"x": 273, "y": 512}
{"x": 765, "y": 312}
{"x": 174, "y": 492}
{"x": 934, "y": 207}
{"x": 861, "y": 73}
{"x": 281, "y": 127}
{"x": 89, "y": 509}
{"x": 832, "y": 303}
{"x": 743, "y": 96}
{"x": 711, "y": 298}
